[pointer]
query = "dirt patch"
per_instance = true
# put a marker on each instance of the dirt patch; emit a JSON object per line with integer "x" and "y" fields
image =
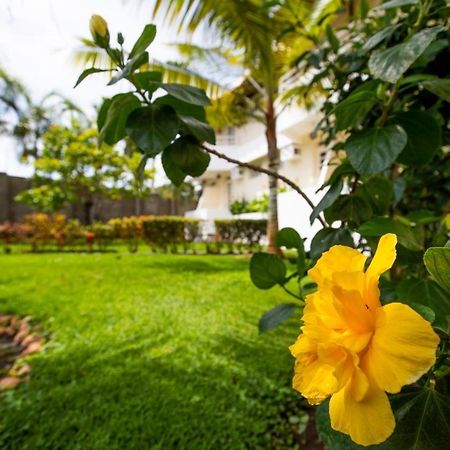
{"x": 18, "y": 339}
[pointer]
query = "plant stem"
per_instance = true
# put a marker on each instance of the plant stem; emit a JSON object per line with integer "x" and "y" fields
{"x": 269, "y": 172}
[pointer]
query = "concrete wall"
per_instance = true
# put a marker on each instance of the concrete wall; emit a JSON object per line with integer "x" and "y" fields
{"x": 103, "y": 210}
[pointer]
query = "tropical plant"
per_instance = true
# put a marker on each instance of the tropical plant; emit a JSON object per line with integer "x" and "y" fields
{"x": 253, "y": 45}
{"x": 72, "y": 168}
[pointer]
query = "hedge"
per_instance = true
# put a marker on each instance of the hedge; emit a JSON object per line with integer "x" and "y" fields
{"x": 241, "y": 232}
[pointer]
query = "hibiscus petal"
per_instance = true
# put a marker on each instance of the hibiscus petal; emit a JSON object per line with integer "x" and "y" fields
{"x": 338, "y": 259}
{"x": 383, "y": 260}
{"x": 402, "y": 348}
{"x": 369, "y": 421}
{"x": 314, "y": 381}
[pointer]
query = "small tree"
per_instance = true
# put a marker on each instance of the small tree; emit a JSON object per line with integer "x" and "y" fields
{"x": 72, "y": 168}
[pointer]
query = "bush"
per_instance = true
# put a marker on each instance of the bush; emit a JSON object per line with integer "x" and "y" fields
{"x": 241, "y": 232}
{"x": 129, "y": 229}
{"x": 12, "y": 233}
{"x": 103, "y": 235}
{"x": 41, "y": 230}
{"x": 167, "y": 232}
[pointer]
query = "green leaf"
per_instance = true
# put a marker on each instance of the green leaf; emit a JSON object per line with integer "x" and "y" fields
{"x": 375, "y": 149}
{"x": 390, "y": 64}
{"x": 267, "y": 270}
{"x": 289, "y": 238}
{"x": 188, "y": 94}
{"x": 351, "y": 111}
{"x": 189, "y": 157}
{"x": 349, "y": 208}
{"x": 378, "y": 191}
{"x": 132, "y": 65}
{"x": 332, "y": 439}
{"x": 152, "y": 128}
{"x": 144, "y": 40}
{"x": 173, "y": 172}
{"x": 88, "y": 72}
{"x": 426, "y": 312}
{"x": 276, "y": 316}
{"x": 377, "y": 38}
{"x": 437, "y": 262}
{"x": 397, "y": 4}
{"x": 326, "y": 238}
{"x": 183, "y": 108}
{"x": 424, "y": 137}
{"x": 201, "y": 130}
{"x": 102, "y": 113}
{"x": 332, "y": 39}
{"x": 422, "y": 421}
{"x": 422, "y": 418}
{"x": 120, "y": 107}
{"x": 148, "y": 80}
{"x": 439, "y": 87}
{"x": 327, "y": 200}
{"x": 381, "y": 225}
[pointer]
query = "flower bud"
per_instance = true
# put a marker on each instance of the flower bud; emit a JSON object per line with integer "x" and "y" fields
{"x": 99, "y": 30}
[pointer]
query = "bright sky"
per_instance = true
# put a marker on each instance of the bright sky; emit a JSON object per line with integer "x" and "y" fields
{"x": 37, "y": 40}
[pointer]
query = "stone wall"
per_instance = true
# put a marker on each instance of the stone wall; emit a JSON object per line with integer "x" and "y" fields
{"x": 103, "y": 210}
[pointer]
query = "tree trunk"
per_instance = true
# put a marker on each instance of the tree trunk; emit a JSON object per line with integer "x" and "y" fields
{"x": 274, "y": 163}
{"x": 88, "y": 204}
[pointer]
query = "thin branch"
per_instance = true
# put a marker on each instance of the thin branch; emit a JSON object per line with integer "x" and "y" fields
{"x": 269, "y": 172}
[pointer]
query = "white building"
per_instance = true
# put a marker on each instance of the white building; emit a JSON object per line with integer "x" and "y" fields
{"x": 303, "y": 161}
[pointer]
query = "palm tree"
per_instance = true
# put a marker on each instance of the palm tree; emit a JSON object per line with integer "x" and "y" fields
{"x": 254, "y": 46}
{"x": 261, "y": 38}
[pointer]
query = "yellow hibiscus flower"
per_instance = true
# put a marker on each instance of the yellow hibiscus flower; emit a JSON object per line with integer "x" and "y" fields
{"x": 355, "y": 350}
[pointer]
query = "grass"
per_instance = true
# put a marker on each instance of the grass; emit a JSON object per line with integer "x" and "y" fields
{"x": 147, "y": 352}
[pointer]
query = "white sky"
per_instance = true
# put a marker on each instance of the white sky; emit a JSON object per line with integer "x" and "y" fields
{"x": 38, "y": 37}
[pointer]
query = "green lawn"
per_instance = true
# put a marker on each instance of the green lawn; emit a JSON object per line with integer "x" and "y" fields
{"x": 147, "y": 352}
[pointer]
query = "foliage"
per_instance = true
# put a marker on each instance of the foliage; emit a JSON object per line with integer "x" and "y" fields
{"x": 128, "y": 334}
{"x": 389, "y": 133}
{"x": 165, "y": 233}
{"x": 72, "y": 168}
{"x": 259, "y": 204}
{"x": 128, "y": 229}
{"x": 103, "y": 234}
{"x": 172, "y": 125}
{"x": 240, "y": 232}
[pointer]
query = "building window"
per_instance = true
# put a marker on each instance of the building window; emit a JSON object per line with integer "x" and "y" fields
{"x": 289, "y": 151}
{"x": 226, "y": 136}
{"x": 237, "y": 172}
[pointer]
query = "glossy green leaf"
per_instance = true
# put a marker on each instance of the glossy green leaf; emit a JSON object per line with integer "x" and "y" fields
{"x": 144, "y": 40}
{"x": 132, "y": 65}
{"x": 378, "y": 38}
{"x": 378, "y": 191}
{"x": 267, "y": 270}
{"x": 189, "y": 157}
{"x": 118, "y": 110}
{"x": 183, "y": 108}
{"x": 378, "y": 226}
{"x": 201, "y": 130}
{"x": 332, "y": 39}
{"x": 422, "y": 421}
{"x": 88, "y": 72}
{"x": 437, "y": 262}
{"x": 424, "y": 137}
{"x": 148, "y": 80}
{"x": 349, "y": 208}
{"x": 390, "y": 64}
{"x": 276, "y": 316}
{"x": 188, "y": 94}
{"x": 103, "y": 112}
{"x": 372, "y": 150}
{"x": 173, "y": 172}
{"x": 397, "y": 4}
{"x": 327, "y": 200}
{"x": 289, "y": 238}
{"x": 152, "y": 128}
{"x": 326, "y": 238}
{"x": 351, "y": 111}
{"x": 425, "y": 311}
{"x": 439, "y": 87}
